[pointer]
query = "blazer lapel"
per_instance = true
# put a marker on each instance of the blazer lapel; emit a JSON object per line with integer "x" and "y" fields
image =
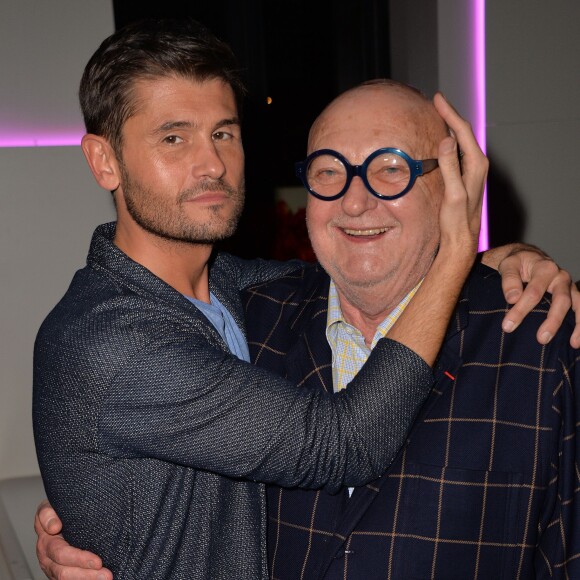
{"x": 309, "y": 361}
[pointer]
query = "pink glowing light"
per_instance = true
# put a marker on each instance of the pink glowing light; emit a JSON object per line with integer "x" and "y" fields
{"x": 32, "y": 139}
{"x": 480, "y": 109}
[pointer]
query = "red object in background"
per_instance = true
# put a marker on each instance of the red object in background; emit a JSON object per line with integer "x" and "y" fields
{"x": 291, "y": 237}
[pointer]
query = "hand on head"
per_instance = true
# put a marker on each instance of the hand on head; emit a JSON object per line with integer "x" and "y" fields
{"x": 460, "y": 215}
{"x": 465, "y": 181}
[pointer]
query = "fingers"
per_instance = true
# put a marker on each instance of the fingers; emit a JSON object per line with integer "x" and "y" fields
{"x": 47, "y": 519}
{"x": 560, "y": 304}
{"x": 559, "y": 307}
{"x": 542, "y": 275}
{"x": 450, "y": 169}
{"x": 60, "y": 573}
{"x": 56, "y": 557}
{"x": 458, "y": 125}
{"x": 521, "y": 263}
{"x": 460, "y": 213}
{"x": 474, "y": 163}
{"x": 511, "y": 282}
{"x": 575, "y": 339}
{"x": 454, "y": 212}
{"x": 61, "y": 561}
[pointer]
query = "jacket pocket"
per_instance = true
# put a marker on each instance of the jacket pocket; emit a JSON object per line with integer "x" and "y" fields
{"x": 459, "y": 523}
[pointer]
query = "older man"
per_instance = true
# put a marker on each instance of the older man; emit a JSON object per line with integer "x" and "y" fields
{"x": 377, "y": 235}
{"x": 487, "y": 483}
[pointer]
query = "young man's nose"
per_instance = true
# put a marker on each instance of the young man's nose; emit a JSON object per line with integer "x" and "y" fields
{"x": 207, "y": 161}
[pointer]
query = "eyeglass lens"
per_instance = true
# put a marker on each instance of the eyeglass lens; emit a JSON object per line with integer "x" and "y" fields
{"x": 388, "y": 174}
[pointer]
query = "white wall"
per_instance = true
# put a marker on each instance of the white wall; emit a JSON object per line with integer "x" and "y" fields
{"x": 49, "y": 203}
{"x": 533, "y": 114}
{"x": 533, "y": 96}
{"x": 44, "y": 47}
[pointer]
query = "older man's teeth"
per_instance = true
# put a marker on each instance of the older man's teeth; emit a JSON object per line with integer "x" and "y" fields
{"x": 372, "y": 232}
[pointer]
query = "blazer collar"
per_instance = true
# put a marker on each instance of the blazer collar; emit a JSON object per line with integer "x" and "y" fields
{"x": 106, "y": 256}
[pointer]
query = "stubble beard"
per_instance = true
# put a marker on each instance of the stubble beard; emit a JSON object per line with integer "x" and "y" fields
{"x": 166, "y": 219}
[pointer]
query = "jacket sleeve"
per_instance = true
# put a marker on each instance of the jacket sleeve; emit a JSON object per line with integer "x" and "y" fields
{"x": 182, "y": 400}
{"x": 558, "y": 552}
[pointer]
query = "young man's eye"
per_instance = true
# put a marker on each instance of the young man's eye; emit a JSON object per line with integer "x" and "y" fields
{"x": 172, "y": 139}
{"x": 222, "y": 136}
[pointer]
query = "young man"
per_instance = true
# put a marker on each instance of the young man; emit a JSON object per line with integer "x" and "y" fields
{"x": 150, "y": 476}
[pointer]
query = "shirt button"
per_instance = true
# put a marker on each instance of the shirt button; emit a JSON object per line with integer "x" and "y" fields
{"x": 339, "y": 555}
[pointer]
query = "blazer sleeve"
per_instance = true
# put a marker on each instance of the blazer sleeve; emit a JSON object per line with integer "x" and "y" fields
{"x": 558, "y": 552}
{"x": 182, "y": 400}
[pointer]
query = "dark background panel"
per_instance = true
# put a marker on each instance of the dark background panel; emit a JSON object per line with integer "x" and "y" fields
{"x": 301, "y": 54}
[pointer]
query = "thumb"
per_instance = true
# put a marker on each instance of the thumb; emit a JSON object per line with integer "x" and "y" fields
{"x": 450, "y": 168}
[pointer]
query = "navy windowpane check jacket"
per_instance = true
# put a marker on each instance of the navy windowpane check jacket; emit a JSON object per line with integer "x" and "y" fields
{"x": 486, "y": 486}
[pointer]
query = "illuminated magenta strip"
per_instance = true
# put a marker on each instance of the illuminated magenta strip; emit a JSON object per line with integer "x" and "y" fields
{"x": 480, "y": 109}
{"x": 29, "y": 139}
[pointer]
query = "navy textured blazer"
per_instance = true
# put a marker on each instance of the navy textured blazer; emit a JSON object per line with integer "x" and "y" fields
{"x": 487, "y": 485}
{"x": 150, "y": 434}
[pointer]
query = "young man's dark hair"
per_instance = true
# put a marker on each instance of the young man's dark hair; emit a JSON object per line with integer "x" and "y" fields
{"x": 158, "y": 48}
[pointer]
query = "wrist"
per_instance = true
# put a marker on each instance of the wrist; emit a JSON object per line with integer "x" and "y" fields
{"x": 456, "y": 255}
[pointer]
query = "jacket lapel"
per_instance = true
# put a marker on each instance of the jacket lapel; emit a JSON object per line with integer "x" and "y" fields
{"x": 309, "y": 361}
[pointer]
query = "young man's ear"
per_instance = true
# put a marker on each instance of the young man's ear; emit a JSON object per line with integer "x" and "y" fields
{"x": 102, "y": 161}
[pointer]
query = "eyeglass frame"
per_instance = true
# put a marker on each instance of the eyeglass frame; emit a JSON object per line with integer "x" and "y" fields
{"x": 418, "y": 167}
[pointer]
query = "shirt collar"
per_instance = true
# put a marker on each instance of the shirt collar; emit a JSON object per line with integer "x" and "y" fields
{"x": 335, "y": 316}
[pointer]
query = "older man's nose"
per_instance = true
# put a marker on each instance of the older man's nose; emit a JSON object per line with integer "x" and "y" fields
{"x": 358, "y": 198}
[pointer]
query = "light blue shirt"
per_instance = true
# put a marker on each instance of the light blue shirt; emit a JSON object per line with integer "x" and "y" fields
{"x": 225, "y": 324}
